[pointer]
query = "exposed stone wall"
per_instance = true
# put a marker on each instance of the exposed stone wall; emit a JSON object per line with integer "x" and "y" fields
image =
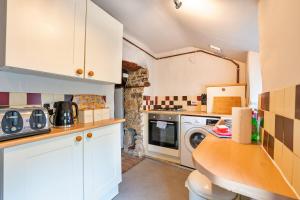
{"x": 133, "y": 104}
{"x": 138, "y": 78}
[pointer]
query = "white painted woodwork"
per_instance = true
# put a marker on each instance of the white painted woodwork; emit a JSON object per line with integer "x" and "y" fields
{"x": 62, "y": 168}
{"x": 57, "y": 37}
{"x": 145, "y": 130}
{"x": 2, "y": 31}
{"x": 49, "y": 169}
{"x": 237, "y": 91}
{"x": 46, "y": 36}
{"x": 102, "y": 163}
{"x": 103, "y": 45}
{"x": 163, "y": 150}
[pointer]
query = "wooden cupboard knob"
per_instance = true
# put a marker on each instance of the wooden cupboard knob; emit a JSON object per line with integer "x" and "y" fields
{"x": 78, "y": 138}
{"x": 91, "y": 73}
{"x": 79, "y": 71}
{"x": 89, "y": 135}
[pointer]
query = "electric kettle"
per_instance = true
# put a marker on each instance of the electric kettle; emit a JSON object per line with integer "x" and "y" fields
{"x": 63, "y": 114}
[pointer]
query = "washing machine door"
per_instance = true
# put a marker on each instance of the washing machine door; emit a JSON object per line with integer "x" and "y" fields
{"x": 194, "y": 137}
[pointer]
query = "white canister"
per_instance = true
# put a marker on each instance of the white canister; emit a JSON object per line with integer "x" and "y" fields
{"x": 86, "y": 116}
{"x": 101, "y": 114}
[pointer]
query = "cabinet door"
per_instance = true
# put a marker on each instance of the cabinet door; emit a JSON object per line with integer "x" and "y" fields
{"x": 104, "y": 37}
{"x": 46, "y": 170}
{"x": 102, "y": 163}
{"x": 46, "y": 35}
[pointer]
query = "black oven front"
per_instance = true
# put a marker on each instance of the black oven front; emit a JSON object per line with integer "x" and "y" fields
{"x": 163, "y": 130}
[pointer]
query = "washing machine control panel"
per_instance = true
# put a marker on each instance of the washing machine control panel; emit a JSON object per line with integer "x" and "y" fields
{"x": 211, "y": 121}
{"x": 200, "y": 121}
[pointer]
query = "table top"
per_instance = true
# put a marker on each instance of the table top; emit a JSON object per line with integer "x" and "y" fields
{"x": 242, "y": 168}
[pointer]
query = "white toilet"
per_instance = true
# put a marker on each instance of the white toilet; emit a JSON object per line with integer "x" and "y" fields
{"x": 200, "y": 188}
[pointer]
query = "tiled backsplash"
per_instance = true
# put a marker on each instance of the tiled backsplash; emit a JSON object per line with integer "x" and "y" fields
{"x": 17, "y": 99}
{"x": 187, "y": 102}
{"x": 21, "y": 99}
{"x": 281, "y": 131}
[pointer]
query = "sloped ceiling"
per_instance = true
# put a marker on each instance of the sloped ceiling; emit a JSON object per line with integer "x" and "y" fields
{"x": 229, "y": 24}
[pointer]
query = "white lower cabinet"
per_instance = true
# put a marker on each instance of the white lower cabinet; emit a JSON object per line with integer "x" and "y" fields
{"x": 71, "y": 167}
{"x": 48, "y": 170}
{"x": 102, "y": 163}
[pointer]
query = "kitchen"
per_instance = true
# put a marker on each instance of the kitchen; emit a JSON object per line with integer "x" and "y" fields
{"x": 105, "y": 99}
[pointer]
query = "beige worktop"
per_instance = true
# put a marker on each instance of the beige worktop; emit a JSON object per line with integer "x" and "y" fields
{"x": 55, "y": 132}
{"x": 244, "y": 169}
{"x": 188, "y": 113}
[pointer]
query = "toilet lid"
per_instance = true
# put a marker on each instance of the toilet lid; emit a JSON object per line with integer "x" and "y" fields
{"x": 203, "y": 187}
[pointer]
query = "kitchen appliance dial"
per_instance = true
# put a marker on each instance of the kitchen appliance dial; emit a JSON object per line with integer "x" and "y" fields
{"x": 12, "y": 122}
{"x": 37, "y": 119}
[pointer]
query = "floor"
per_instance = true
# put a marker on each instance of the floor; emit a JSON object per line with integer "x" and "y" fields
{"x": 129, "y": 161}
{"x": 151, "y": 179}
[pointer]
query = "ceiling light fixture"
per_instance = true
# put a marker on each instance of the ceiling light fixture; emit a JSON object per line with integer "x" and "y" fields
{"x": 215, "y": 49}
{"x": 177, "y": 3}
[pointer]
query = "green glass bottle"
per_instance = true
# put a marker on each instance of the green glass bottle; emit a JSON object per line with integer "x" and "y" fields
{"x": 255, "y": 127}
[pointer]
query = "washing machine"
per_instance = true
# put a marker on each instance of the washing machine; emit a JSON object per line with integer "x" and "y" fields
{"x": 192, "y": 135}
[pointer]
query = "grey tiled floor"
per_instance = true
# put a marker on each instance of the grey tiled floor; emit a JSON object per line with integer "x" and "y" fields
{"x": 154, "y": 180}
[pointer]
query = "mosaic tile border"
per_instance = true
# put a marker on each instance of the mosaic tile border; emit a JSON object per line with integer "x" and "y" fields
{"x": 281, "y": 130}
{"x": 187, "y": 102}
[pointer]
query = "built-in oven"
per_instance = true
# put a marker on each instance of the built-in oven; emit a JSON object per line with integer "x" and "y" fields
{"x": 164, "y": 130}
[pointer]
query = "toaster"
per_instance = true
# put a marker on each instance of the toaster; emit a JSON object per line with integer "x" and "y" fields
{"x": 22, "y": 122}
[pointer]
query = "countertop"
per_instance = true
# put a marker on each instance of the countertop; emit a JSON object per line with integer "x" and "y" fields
{"x": 188, "y": 113}
{"x": 241, "y": 168}
{"x": 55, "y": 132}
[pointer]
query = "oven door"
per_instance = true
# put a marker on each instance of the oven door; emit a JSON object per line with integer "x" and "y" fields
{"x": 164, "y": 137}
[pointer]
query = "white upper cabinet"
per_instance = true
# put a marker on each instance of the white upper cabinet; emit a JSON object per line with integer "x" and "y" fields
{"x": 46, "y": 35}
{"x": 73, "y": 38}
{"x": 104, "y": 36}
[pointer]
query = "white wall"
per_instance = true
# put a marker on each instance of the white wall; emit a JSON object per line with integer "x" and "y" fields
{"x": 133, "y": 54}
{"x": 183, "y": 75}
{"x": 254, "y": 78}
{"x": 12, "y": 82}
{"x": 189, "y": 74}
{"x": 279, "y": 43}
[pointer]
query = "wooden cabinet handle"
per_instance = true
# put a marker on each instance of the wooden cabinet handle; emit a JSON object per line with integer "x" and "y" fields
{"x": 78, "y": 138}
{"x": 89, "y": 135}
{"x": 91, "y": 73}
{"x": 79, "y": 71}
